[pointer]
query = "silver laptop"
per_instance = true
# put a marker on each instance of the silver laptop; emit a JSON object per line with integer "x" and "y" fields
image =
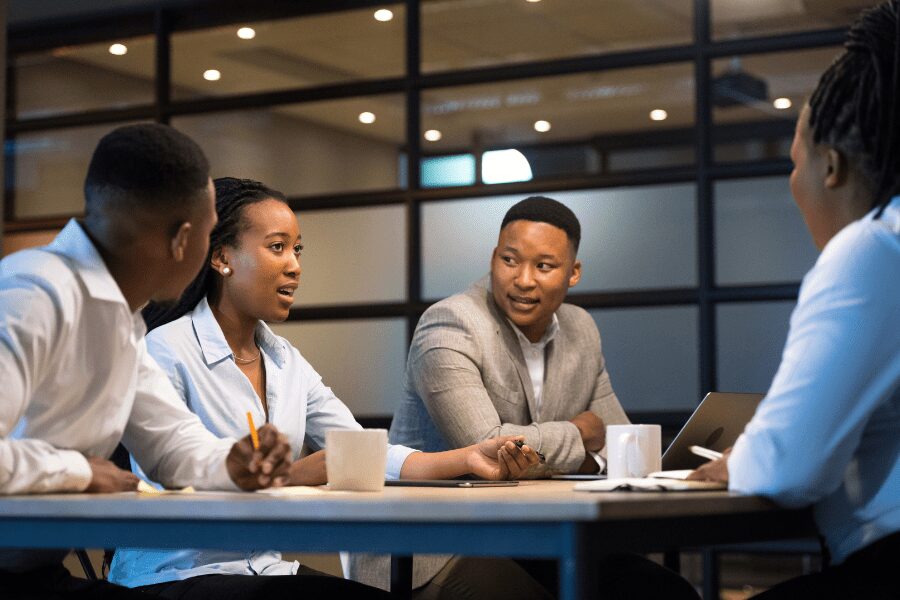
{"x": 716, "y": 424}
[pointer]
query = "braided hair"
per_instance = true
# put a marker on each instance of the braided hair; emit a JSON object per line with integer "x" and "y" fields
{"x": 855, "y": 106}
{"x": 232, "y": 197}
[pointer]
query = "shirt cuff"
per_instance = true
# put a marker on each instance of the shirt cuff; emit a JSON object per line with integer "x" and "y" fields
{"x": 601, "y": 462}
{"x": 218, "y": 477}
{"x": 75, "y": 474}
{"x": 396, "y": 456}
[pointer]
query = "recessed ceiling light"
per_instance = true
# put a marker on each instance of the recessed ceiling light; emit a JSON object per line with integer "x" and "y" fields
{"x": 384, "y": 15}
{"x": 532, "y": 1}
{"x": 782, "y": 103}
{"x": 366, "y": 117}
{"x": 433, "y": 135}
{"x": 246, "y": 33}
{"x": 118, "y": 49}
{"x": 542, "y": 126}
{"x": 212, "y": 75}
{"x": 659, "y": 114}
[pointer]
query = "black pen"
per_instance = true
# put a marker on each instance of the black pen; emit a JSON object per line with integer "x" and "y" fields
{"x": 520, "y": 443}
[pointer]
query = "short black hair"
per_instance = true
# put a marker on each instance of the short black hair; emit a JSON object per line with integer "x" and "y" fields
{"x": 146, "y": 166}
{"x": 856, "y": 106}
{"x": 546, "y": 210}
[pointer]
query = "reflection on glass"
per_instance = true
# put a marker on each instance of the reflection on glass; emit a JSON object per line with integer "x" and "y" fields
{"x": 756, "y": 101}
{"x": 50, "y": 167}
{"x": 353, "y": 256}
{"x": 731, "y": 19}
{"x": 309, "y": 148}
{"x": 462, "y": 34}
{"x": 651, "y": 356}
{"x": 289, "y": 53}
{"x": 750, "y": 340}
{"x": 447, "y": 171}
{"x": 362, "y": 361}
{"x": 67, "y": 79}
{"x": 593, "y": 119}
{"x": 760, "y": 234}
{"x": 631, "y": 238}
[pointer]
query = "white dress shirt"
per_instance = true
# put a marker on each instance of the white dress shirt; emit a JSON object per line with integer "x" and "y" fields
{"x": 828, "y": 431}
{"x": 195, "y": 355}
{"x": 535, "y": 354}
{"x": 77, "y": 379}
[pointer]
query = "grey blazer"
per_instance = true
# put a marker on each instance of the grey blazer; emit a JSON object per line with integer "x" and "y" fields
{"x": 466, "y": 380}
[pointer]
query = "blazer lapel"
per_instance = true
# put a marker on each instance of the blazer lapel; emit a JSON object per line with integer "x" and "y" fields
{"x": 554, "y": 390}
{"x": 514, "y": 351}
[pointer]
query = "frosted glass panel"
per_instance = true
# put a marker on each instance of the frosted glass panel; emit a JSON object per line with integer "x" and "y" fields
{"x": 353, "y": 255}
{"x": 50, "y": 167}
{"x": 361, "y": 360}
{"x": 651, "y": 355}
{"x": 630, "y": 238}
{"x": 750, "y": 340}
{"x": 760, "y": 233}
{"x": 305, "y": 149}
{"x": 112, "y": 74}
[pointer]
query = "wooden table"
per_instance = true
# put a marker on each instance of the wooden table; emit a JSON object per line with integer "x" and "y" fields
{"x": 537, "y": 519}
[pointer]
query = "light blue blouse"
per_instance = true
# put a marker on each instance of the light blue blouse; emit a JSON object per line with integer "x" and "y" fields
{"x": 828, "y": 431}
{"x": 196, "y": 357}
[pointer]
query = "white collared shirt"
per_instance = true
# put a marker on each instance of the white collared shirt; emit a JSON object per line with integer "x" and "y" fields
{"x": 196, "y": 356}
{"x": 77, "y": 379}
{"x": 535, "y": 354}
{"x": 828, "y": 431}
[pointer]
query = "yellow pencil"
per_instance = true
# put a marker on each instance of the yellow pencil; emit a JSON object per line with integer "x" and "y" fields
{"x": 253, "y": 435}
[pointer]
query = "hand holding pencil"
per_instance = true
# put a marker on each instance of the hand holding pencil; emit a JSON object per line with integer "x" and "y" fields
{"x": 261, "y": 459}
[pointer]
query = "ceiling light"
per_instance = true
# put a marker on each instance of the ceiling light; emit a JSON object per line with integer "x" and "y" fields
{"x": 246, "y": 33}
{"x": 118, "y": 49}
{"x": 383, "y": 15}
{"x": 366, "y": 117}
{"x": 659, "y": 114}
{"x": 782, "y": 103}
{"x": 542, "y": 126}
{"x": 212, "y": 75}
{"x": 532, "y": 1}
{"x": 433, "y": 135}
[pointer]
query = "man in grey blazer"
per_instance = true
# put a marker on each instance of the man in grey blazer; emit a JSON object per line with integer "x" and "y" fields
{"x": 507, "y": 357}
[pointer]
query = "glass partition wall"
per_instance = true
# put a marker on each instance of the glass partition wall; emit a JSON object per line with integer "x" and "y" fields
{"x": 403, "y": 131}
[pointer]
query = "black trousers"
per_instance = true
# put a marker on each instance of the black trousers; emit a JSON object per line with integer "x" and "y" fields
{"x": 56, "y": 583}
{"x": 619, "y": 577}
{"x": 307, "y": 583}
{"x": 867, "y": 574}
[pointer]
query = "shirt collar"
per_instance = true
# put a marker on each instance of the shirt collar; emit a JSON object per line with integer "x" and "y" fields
{"x": 74, "y": 244}
{"x": 214, "y": 345}
{"x": 548, "y": 336}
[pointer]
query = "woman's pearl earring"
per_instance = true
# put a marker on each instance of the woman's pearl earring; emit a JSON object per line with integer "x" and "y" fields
{"x": 226, "y": 271}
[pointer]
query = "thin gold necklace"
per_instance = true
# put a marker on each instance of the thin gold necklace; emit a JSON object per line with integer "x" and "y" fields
{"x": 247, "y": 361}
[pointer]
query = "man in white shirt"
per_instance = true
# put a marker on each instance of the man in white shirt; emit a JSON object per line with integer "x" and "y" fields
{"x": 76, "y": 375}
{"x": 828, "y": 432}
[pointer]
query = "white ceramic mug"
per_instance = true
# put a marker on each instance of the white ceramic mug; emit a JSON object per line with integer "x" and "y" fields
{"x": 355, "y": 459}
{"x": 633, "y": 450}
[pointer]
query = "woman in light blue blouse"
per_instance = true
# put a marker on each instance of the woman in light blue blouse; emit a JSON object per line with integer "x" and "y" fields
{"x": 225, "y": 361}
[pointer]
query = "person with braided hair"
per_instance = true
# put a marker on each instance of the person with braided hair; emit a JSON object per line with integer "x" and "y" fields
{"x": 828, "y": 432}
{"x": 224, "y": 360}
